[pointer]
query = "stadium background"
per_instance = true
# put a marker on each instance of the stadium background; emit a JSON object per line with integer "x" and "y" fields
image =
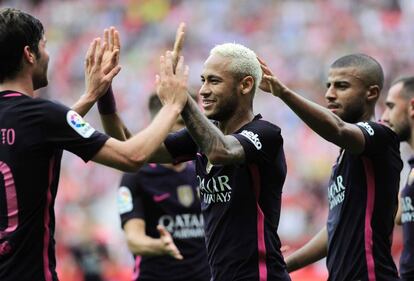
{"x": 298, "y": 39}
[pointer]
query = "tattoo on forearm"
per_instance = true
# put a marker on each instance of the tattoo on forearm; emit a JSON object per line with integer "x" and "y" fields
{"x": 203, "y": 131}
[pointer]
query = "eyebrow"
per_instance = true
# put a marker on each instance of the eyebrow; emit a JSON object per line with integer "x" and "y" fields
{"x": 338, "y": 82}
{"x": 210, "y": 76}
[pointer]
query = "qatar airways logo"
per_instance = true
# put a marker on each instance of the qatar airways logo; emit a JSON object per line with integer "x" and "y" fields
{"x": 336, "y": 192}
{"x": 183, "y": 226}
{"x": 407, "y": 209}
{"x": 215, "y": 189}
{"x": 254, "y": 138}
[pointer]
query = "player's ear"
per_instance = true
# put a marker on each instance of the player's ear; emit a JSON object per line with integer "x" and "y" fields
{"x": 28, "y": 55}
{"x": 373, "y": 93}
{"x": 246, "y": 85}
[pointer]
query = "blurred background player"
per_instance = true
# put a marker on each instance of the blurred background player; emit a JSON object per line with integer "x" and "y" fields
{"x": 36, "y": 131}
{"x": 399, "y": 114}
{"x": 161, "y": 216}
{"x": 363, "y": 188}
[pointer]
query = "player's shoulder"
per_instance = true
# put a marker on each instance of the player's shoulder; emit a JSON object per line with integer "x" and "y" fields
{"x": 373, "y": 128}
{"x": 52, "y": 105}
{"x": 259, "y": 124}
{"x": 43, "y": 107}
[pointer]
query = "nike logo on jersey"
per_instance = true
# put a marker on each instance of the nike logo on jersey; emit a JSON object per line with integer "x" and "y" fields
{"x": 162, "y": 197}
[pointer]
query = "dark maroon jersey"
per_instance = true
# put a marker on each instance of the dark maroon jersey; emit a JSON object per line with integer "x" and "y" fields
{"x": 363, "y": 200}
{"x": 34, "y": 132}
{"x": 241, "y": 203}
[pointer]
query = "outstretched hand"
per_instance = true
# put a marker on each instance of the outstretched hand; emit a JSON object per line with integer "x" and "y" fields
{"x": 98, "y": 77}
{"x": 269, "y": 82}
{"x": 169, "y": 247}
{"x": 172, "y": 86}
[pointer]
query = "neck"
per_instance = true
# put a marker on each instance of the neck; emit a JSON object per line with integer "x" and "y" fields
{"x": 236, "y": 121}
{"x": 369, "y": 115}
{"x": 22, "y": 85}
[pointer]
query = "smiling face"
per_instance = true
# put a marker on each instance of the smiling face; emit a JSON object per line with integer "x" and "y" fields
{"x": 346, "y": 93}
{"x": 396, "y": 114}
{"x": 220, "y": 88}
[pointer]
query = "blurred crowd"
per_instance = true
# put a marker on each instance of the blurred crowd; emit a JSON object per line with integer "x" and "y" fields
{"x": 298, "y": 39}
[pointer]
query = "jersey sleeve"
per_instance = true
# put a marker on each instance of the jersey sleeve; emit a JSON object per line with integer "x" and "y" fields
{"x": 129, "y": 198}
{"x": 65, "y": 129}
{"x": 377, "y": 137}
{"x": 181, "y": 146}
{"x": 261, "y": 141}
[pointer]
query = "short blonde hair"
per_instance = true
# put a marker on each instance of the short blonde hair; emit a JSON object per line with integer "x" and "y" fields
{"x": 243, "y": 60}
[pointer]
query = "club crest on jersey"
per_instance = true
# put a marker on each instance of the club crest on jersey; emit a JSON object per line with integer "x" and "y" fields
{"x": 124, "y": 200}
{"x": 185, "y": 195}
{"x": 410, "y": 177}
{"x": 78, "y": 124}
{"x": 254, "y": 138}
{"x": 367, "y": 127}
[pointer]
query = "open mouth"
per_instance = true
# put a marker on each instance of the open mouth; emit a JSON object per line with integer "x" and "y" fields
{"x": 207, "y": 103}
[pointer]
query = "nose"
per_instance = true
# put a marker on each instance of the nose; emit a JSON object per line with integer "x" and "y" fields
{"x": 330, "y": 94}
{"x": 204, "y": 90}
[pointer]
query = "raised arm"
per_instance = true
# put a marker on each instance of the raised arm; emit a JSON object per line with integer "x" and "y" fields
{"x": 311, "y": 252}
{"x": 108, "y": 65}
{"x": 132, "y": 154}
{"x": 111, "y": 121}
{"x": 320, "y": 119}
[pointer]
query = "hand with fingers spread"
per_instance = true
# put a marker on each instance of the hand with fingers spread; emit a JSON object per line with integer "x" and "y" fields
{"x": 169, "y": 247}
{"x": 97, "y": 78}
{"x": 172, "y": 87}
{"x": 270, "y": 83}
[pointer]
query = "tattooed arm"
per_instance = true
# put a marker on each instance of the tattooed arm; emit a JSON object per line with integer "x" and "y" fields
{"x": 219, "y": 148}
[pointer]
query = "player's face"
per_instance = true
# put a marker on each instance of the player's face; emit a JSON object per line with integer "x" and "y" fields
{"x": 40, "y": 71}
{"x": 345, "y": 93}
{"x": 219, "y": 90}
{"x": 396, "y": 114}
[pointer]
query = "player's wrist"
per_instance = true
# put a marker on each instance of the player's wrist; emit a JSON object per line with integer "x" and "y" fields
{"x": 87, "y": 99}
{"x": 107, "y": 103}
{"x": 173, "y": 108}
{"x": 282, "y": 92}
